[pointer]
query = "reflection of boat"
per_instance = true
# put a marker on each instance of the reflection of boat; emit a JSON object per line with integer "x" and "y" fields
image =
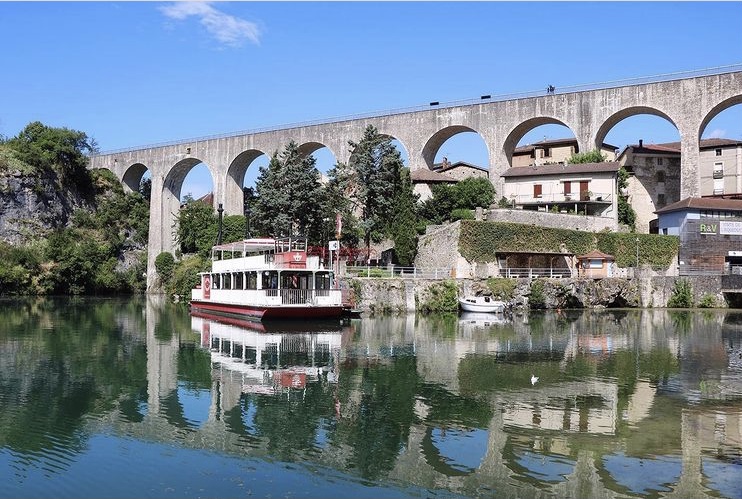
{"x": 481, "y": 319}
{"x": 266, "y": 279}
{"x": 481, "y": 304}
{"x": 271, "y": 362}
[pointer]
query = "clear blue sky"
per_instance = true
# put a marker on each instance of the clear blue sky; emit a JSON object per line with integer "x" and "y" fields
{"x": 137, "y": 73}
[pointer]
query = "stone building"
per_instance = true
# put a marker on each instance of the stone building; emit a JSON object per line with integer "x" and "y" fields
{"x": 553, "y": 151}
{"x": 588, "y": 188}
{"x": 443, "y": 173}
{"x": 655, "y": 175}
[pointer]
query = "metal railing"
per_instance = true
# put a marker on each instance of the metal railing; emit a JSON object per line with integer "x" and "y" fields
{"x": 560, "y": 197}
{"x": 531, "y": 273}
{"x": 399, "y": 272}
{"x": 678, "y": 75}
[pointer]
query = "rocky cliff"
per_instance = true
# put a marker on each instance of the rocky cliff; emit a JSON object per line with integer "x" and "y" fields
{"x": 33, "y": 204}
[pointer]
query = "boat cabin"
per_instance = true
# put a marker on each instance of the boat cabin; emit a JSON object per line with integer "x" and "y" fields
{"x": 267, "y": 264}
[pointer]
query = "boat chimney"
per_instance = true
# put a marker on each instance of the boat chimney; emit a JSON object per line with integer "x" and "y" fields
{"x": 220, "y": 210}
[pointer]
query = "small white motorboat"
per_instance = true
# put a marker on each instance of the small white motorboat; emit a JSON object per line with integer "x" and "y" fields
{"x": 481, "y": 304}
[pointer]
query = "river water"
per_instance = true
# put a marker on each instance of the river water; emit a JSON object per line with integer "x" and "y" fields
{"x": 134, "y": 398}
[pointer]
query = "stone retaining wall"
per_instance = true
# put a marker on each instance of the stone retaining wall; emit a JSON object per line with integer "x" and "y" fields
{"x": 553, "y": 220}
{"x": 397, "y": 295}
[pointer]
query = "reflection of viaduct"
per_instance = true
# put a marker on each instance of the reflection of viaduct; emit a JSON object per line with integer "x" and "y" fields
{"x": 512, "y": 419}
{"x": 688, "y": 102}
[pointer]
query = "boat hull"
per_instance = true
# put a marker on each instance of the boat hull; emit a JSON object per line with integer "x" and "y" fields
{"x": 480, "y": 306}
{"x": 262, "y": 312}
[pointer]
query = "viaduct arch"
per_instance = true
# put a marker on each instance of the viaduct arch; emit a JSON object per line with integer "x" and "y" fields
{"x": 687, "y": 100}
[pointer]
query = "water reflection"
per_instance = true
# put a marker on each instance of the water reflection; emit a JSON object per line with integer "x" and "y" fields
{"x": 627, "y": 403}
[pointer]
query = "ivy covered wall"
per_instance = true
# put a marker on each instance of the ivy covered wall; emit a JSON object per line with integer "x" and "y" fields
{"x": 480, "y": 241}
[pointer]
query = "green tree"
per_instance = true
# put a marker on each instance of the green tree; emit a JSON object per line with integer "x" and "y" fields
{"x": 626, "y": 214}
{"x": 196, "y": 227}
{"x": 377, "y": 165}
{"x": 594, "y": 156}
{"x": 403, "y": 225}
{"x": 59, "y": 149}
{"x": 340, "y": 198}
{"x": 289, "y": 195}
{"x": 467, "y": 194}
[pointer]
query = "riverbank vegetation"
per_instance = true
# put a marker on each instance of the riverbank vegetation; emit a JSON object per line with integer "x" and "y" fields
{"x": 95, "y": 245}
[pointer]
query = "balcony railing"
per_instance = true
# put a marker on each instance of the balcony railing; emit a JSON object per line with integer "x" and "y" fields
{"x": 557, "y": 198}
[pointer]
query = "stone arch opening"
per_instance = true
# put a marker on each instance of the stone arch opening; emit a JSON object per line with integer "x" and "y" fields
{"x": 192, "y": 179}
{"x": 171, "y": 198}
{"x": 324, "y": 158}
{"x": 720, "y": 150}
{"x": 607, "y": 130}
{"x": 458, "y": 143}
{"x": 516, "y": 146}
{"x": 729, "y": 107}
{"x": 244, "y": 168}
{"x": 134, "y": 176}
{"x": 648, "y": 144}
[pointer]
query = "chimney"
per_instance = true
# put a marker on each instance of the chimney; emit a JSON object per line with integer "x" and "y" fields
{"x": 641, "y": 143}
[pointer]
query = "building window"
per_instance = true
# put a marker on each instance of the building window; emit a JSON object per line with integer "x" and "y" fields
{"x": 537, "y": 190}
{"x": 567, "y": 188}
{"x": 659, "y": 161}
{"x": 660, "y": 200}
{"x": 660, "y": 177}
{"x": 718, "y": 170}
{"x": 718, "y": 152}
{"x": 718, "y": 185}
{"x": 547, "y": 152}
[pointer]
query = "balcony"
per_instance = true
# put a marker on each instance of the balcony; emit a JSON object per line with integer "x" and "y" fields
{"x": 594, "y": 204}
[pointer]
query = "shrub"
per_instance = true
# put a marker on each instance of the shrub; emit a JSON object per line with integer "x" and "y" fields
{"x": 537, "y": 299}
{"x": 442, "y": 298}
{"x": 682, "y": 295}
{"x": 462, "y": 214}
{"x": 707, "y": 301}
{"x": 185, "y": 276}
{"x": 164, "y": 264}
{"x": 501, "y": 288}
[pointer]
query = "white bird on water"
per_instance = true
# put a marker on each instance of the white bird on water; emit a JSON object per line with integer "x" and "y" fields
{"x": 533, "y": 379}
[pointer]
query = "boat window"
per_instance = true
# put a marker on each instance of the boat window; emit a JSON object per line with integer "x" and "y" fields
{"x": 238, "y": 278}
{"x": 252, "y": 280}
{"x": 215, "y": 281}
{"x": 226, "y": 281}
{"x": 322, "y": 280}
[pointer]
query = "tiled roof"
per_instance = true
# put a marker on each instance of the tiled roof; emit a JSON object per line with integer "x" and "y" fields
{"x": 423, "y": 175}
{"x": 530, "y": 171}
{"x": 674, "y": 147}
{"x": 451, "y": 166}
{"x": 596, "y": 254}
{"x": 703, "y": 204}
{"x": 553, "y": 142}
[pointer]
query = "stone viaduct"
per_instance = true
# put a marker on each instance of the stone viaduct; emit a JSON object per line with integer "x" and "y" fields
{"x": 687, "y": 100}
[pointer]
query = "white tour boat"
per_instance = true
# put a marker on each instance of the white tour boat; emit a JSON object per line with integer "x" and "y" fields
{"x": 264, "y": 278}
{"x": 481, "y": 304}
